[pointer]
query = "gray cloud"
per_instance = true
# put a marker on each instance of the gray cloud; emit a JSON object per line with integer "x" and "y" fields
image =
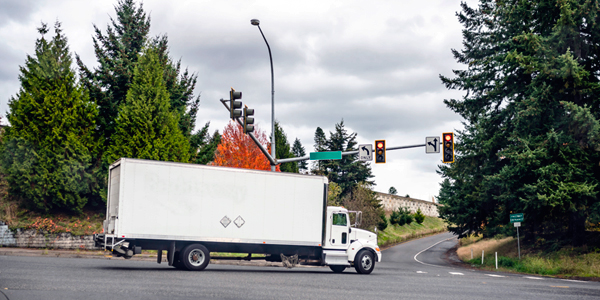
{"x": 18, "y": 11}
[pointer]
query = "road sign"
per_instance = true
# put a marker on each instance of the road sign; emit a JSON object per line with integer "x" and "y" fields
{"x": 517, "y": 224}
{"x": 326, "y": 155}
{"x": 365, "y": 152}
{"x": 432, "y": 144}
{"x": 516, "y": 218}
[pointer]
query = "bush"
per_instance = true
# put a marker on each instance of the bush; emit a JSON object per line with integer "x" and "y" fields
{"x": 401, "y": 216}
{"x": 419, "y": 216}
{"x": 383, "y": 222}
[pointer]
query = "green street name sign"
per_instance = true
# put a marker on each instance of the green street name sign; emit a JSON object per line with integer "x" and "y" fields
{"x": 516, "y": 218}
{"x": 326, "y": 155}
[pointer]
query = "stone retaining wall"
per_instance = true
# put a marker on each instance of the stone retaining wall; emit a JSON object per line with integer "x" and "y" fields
{"x": 392, "y": 202}
{"x": 34, "y": 239}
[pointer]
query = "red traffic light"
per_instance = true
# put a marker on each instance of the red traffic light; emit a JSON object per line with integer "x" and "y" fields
{"x": 380, "y": 151}
{"x": 448, "y": 137}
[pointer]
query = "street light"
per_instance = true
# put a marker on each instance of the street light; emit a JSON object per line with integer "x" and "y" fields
{"x": 256, "y": 22}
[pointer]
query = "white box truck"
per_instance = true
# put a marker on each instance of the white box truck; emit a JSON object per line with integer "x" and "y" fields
{"x": 190, "y": 210}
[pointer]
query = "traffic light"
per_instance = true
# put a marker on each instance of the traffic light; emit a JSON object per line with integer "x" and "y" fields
{"x": 448, "y": 147}
{"x": 235, "y": 106}
{"x": 380, "y": 152}
{"x": 248, "y": 119}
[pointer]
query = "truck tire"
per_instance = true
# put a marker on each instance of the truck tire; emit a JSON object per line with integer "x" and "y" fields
{"x": 364, "y": 262}
{"x": 337, "y": 269}
{"x": 195, "y": 257}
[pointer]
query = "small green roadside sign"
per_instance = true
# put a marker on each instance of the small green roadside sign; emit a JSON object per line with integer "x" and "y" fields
{"x": 326, "y": 155}
{"x": 516, "y": 218}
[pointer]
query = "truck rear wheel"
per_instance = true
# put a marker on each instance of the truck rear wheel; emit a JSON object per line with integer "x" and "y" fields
{"x": 195, "y": 257}
{"x": 337, "y": 269}
{"x": 364, "y": 262}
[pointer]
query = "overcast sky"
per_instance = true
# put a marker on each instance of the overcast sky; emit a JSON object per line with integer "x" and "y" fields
{"x": 374, "y": 64}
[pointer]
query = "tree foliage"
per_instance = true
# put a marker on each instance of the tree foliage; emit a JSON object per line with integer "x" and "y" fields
{"x": 47, "y": 151}
{"x": 146, "y": 128}
{"x": 282, "y": 149}
{"x": 347, "y": 172}
{"x": 238, "y": 150}
{"x": 117, "y": 52}
{"x": 299, "y": 151}
{"x": 392, "y": 191}
{"x": 365, "y": 200}
{"x": 205, "y": 145}
{"x": 531, "y": 118}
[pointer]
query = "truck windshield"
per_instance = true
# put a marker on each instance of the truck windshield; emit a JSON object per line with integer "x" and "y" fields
{"x": 340, "y": 219}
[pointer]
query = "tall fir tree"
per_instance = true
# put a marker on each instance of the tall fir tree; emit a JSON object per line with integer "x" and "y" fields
{"x": 146, "y": 127}
{"x": 299, "y": 151}
{"x": 205, "y": 145}
{"x": 347, "y": 172}
{"x": 48, "y": 149}
{"x": 320, "y": 146}
{"x": 282, "y": 149}
{"x": 117, "y": 52}
{"x": 532, "y": 77}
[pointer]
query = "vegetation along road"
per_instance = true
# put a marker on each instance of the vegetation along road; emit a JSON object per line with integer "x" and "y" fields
{"x": 413, "y": 270}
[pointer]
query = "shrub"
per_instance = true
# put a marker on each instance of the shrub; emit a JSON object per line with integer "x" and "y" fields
{"x": 383, "y": 222}
{"x": 419, "y": 216}
{"x": 401, "y": 216}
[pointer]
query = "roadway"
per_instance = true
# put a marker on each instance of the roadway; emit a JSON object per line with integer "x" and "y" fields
{"x": 401, "y": 275}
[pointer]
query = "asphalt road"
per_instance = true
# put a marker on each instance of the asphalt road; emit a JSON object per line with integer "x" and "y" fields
{"x": 401, "y": 275}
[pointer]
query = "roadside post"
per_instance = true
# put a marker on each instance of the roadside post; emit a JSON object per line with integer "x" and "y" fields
{"x": 516, "y": 219}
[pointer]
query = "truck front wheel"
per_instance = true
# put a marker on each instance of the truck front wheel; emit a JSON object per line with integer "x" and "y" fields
{"x": 364, "y": 262}
{"x": 195, "y": 257}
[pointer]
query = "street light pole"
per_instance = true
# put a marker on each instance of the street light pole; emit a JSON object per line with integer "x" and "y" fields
{"x": 256, "y": 22}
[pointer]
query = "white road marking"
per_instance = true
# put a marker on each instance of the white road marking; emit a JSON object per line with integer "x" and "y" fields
{"x": 574, "y": 280}
{"x": 456, "y": 273}
{"x": 494, "y": 275}
{"x": 428, "y": 249}
{"x": 529, "y": 277}
{"x": 421, "y": 272}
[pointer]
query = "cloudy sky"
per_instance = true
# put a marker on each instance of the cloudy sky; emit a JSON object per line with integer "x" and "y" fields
{"x": 373, "y": 64}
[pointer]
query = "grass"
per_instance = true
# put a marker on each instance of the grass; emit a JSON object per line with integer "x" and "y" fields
{"x": 566, "y": 262}
{"x": 395, "y": 234}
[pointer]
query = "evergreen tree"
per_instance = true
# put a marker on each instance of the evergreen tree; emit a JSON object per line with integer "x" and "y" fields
{"x": 320, "y": 146}
{"x": 205, "y": 145}
{"x": 117, "y": 52}
{"x": 47, "y": 150}
{"x": 348, "y": 171}
{"x": 146, "y": 128}
{"x": 298, "y": 151}
{"x": 532, "y": 77}
{"x": 282, "y": 149}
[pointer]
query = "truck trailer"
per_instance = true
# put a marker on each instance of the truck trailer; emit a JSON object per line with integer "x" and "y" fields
{"x": 191, "y": 210}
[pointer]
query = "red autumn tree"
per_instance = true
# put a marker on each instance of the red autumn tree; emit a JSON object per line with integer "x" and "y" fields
{"x": 238, "y": 150}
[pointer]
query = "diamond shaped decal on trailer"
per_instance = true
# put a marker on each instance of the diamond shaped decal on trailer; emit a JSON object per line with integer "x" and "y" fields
{"x": 225, "y": 221}
{"x": 239, "y": 221}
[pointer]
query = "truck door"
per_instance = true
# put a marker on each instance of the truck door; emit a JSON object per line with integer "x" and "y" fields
{"x": 339, "y": 237}
{"x": 114, "y": 182}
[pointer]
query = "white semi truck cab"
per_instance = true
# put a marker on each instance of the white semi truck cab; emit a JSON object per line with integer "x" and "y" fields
{"x": 192, "y": 210}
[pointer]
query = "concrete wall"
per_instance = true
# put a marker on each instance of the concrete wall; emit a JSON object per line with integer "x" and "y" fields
{"x": 392, "y": 202}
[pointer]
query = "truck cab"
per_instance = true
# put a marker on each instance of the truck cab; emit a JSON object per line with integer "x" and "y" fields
{"x": 345, "y": 245}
